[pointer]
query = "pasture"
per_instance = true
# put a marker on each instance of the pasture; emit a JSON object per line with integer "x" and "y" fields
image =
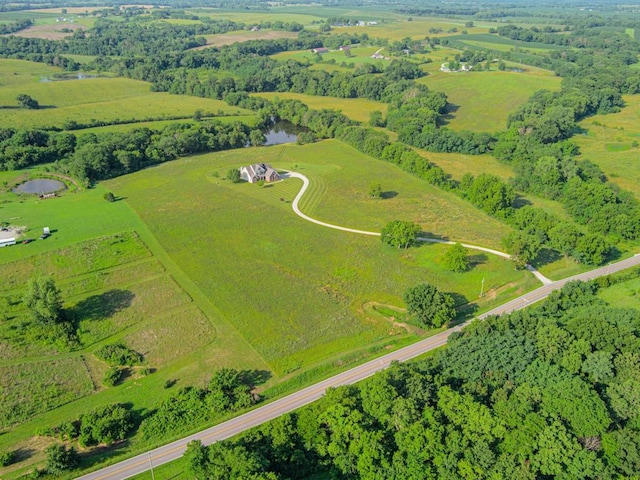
{"x": 358, "y": 55}
{"x": 79, "y": 101}
{"x": 234, "y": 37}
{"x": 482, "y": 101}
{"x": 502, "y": 44}
{"x": 609, "y": 143}
{"x": 358, "y": 109}
{"x": 317, "y": 278}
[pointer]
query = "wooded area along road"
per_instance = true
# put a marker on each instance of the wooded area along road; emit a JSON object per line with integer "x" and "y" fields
{"x": 174, "y": 450}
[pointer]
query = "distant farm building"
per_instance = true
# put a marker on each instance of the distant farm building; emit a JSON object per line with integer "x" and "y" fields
{"x": 259, "y": 171}
{"x": 320, "y": 50}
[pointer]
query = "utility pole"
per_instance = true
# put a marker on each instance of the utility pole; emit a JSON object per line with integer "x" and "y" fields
{"x": 482, "y": 288}
{"x": 153, "y": 477}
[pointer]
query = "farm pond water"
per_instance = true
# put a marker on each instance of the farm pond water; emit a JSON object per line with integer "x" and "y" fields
{"x": 41, "y": 185}
{"x": 281, "y": 132}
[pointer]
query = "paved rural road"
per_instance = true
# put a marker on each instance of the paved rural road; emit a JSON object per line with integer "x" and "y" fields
{"x": 172, "y": 451}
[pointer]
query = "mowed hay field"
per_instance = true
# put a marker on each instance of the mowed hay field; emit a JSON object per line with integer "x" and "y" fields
{"x": 358, "y": 109}
{"x": 608, "y": 143}
{"x": 293, "y": 289}
{"x": 482, "y": 101}
{"x": 82, "y": 101}
{"x": 233, "y": 37}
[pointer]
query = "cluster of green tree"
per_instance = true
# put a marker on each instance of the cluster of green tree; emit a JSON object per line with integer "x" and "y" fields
{"x": 107, "y": 155}
{"x": 550, "y": 392}
{"x": 446, "y": 140}
{"x": 400, "y": 233}
{"x": 22, "y": 148}
{"x": 428, "y": 306}
{"x": 489, "y": 193}
{"x": 9, "y": 28}
{"x": 102, "y": 426}
{"x": 118, "y": 354}
{"x": 49, "y": 323}
{"x": 538, "y": 229}
{"x": 377, "y": 144}
{"x": 537, "y": 144}
{"x": 228, "y": 391}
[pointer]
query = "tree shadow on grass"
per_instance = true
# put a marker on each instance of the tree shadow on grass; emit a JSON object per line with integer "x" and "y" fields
{"x": 101, "y": 306}
{"x": 254, "y": 377}
{"x": 21, "y": 454}
{"x": 520, "y": 202}
{"x": 475, "y": 260}
{"x": 387, "y": 195}
{"x": 449, "y": 115}
{"x": 546, "y": 256}
{"x": 464, "y": 309}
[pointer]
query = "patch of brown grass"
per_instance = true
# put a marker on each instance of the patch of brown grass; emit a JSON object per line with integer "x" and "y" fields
{"x": 49, "y": 32}
{"x": 230, "y": 38}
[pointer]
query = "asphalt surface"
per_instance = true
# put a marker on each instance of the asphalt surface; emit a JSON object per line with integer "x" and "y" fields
{"x": 173, "y": 451}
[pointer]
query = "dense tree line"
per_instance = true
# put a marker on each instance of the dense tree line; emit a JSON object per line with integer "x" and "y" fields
{"x": 9, "y": 28}
{"x": 550, "y": 392}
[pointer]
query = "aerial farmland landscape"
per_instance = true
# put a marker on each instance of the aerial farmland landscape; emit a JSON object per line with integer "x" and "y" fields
{"x": 339, "y": 239}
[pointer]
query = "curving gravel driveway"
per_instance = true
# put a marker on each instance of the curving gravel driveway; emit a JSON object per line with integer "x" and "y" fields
{"x": 305, "y": 185}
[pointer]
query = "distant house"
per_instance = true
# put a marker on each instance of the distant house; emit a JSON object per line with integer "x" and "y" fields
{"x": 259, "y": 171}
{"x": 255, "y": 28}
{"x": 320, "y": 50}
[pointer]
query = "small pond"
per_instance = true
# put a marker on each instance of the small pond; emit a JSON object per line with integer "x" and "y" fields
{"x": 281, "y": 132}
{"x": 70, "y": 76}
{"x": 39, "y": 186}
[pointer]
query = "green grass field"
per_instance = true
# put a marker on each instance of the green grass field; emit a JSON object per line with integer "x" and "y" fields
{"x": 358, "y": 109}
{"x": 608, "y": 142}
{"x": 223, "y": 274}
{"x": 482, "y": 101}
{"x": 78, "y": 100}
{"x": 359, "y": 55}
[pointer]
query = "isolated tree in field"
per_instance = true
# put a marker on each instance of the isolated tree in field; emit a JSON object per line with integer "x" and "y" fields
{"x": 429, "y": 306}
{"x": 234, "y": 175}
{"x": 456, "y": 259}
{"x": 375, "y": 190}
{"x": 399, "y": 233}
{"x": 44, "y": 300}
{"x": 25, "y": 101}
{"x": 109, "y": 197}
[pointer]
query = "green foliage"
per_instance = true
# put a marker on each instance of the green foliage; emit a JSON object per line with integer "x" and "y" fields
{"x": 400, "y": 233}
{"x": 456, "y": 259}
{"x": 60, "y": 459}
{"x": 118, "y": 354}
{"x": 429, "y": 306}
{"x": 112, "y": 376}
{"x": 233, "y": 175}
{"x": 522, "y": 247}
{"x": 375, "y": 190}
{"x": 105, "y": 425}
{"x": 7, "y": 458}
{"x": 496, "y": 395}
{"x": 25, "y": 101}
{"x": 229, "y": 391}
{"x": 109, "y": 197}
{"x": 44, "y": 300}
